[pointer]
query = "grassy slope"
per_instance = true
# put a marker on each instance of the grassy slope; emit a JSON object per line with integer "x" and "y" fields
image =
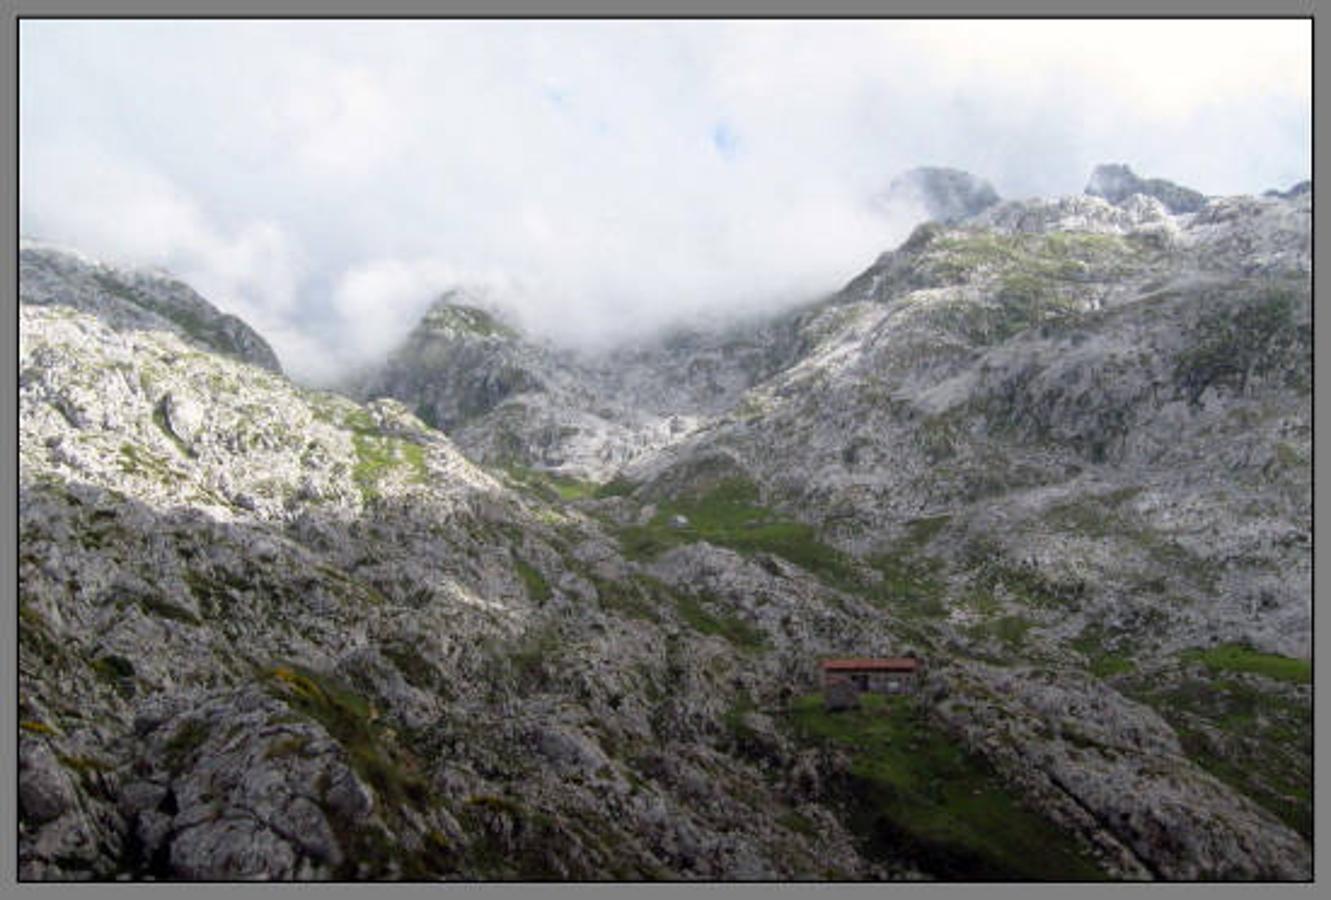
{"x": 729, "y": 515}
{"x": 918, "y": 795}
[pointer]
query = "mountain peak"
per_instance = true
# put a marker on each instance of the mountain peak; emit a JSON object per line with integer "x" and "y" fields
{"x": 1116, "y": 182}
{"x": 946, "y": 195}
{"x": 461, "y": 313}
{"x": 135, "y": 298}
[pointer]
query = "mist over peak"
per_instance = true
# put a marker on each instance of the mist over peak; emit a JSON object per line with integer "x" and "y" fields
{"x": 325, "y": 181}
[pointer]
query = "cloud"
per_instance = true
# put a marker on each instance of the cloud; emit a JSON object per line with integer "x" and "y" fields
{"x": 326, "y": 180}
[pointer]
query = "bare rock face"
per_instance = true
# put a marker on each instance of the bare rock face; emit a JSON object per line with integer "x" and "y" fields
{"x": 1115, "y": 770}
{"x": 182, "y": 415}
{"x": 45, "y": 790}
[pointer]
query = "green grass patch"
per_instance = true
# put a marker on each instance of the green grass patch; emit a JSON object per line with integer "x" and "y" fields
{"x": 538, "y": 589}
{"x": 1107, "y": 665}
{"x": 638, "y": 597}
{"x": 414, "y": 456}
{"x": 729, "y": 515}
{"x": 619, "y": 486}
{"x": 1029, "y": 586}
{"x": 724, "y": 625}
{"x": 550, "y": 486}
{"x": 1258, "y": 337}
{"x": 359, "y": 421}
{"x": 569, "y": 488}
{"x": 376, "y": 455}
{"x": 798, "y": 823}
{"x": 1255, "y": 740}
{"x": 138, "y": 461}
{"x": 1284, "y": 791}
{"x": 914, "y": 792}
{"x": 1107, "y": 655}
{"x": 1042, "y": 258}
{"x": 1239, "y": 658}
{"x": 1035, "y": 278}
{"x": 1010, "y": 631}
{"x": 912, "y": 583}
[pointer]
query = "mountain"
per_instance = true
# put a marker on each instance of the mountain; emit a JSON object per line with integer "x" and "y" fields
{"x": 1303, "y": 187}
{"x": 1117, "y": 182}
{"x": 942, "y": 194}
{"x": 137, "y": 299}
{"x": 509, "y": 400}
{"x": 530, "y": 613}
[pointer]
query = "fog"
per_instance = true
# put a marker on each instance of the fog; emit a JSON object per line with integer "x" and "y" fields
{"x": 598, "y": 180}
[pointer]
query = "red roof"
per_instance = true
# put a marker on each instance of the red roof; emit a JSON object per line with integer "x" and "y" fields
{"x": 889, "y": 664}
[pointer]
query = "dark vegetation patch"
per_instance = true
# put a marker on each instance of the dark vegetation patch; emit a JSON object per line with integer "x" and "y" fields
{"x": 1008, "y": 630}
{"x": 638, "y": 596}
{"x": 353, "y": 722}
{"x": 538, "y": 589}
{"x": 161, "y": 604}
{"x": 703, "y": 615}
{"x": 1256, "y": 738}
{"x": 415, "y": 669}
{"x": 913, "y": 793}
{"x": 291, "y": 745}
{"x": 116, "y": 671}
{"x": 1258, "y": 337}
{"x": 512, "y": 841}
{"x": 1107, "y": 654}
{"x": 189, "y": 736}
{"x": 533, "y": 659}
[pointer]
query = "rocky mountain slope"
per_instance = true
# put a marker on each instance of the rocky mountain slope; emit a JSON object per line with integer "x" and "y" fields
{"x": 508, "y": 400}
{"x": 549, "y": 615}
{"x": 139, "y": 299}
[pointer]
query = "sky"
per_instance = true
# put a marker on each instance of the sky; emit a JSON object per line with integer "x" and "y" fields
{"x": 598, "y": 180}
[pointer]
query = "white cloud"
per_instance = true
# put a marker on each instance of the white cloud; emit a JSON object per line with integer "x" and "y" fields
{"x": 326, "y": 179}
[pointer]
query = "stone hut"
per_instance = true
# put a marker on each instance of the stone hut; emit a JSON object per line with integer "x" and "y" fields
{"x": 845, "y": 679}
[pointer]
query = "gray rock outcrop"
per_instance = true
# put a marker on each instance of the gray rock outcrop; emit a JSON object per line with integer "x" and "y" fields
{"x": 1117, "y": 182}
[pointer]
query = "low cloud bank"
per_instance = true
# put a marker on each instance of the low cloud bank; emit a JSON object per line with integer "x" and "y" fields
{"x": 327, "y": 180}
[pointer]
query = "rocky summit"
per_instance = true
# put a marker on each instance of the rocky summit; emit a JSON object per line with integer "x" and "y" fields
{"x": 942, "y": 194}
{"x": 505, "y": 610}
